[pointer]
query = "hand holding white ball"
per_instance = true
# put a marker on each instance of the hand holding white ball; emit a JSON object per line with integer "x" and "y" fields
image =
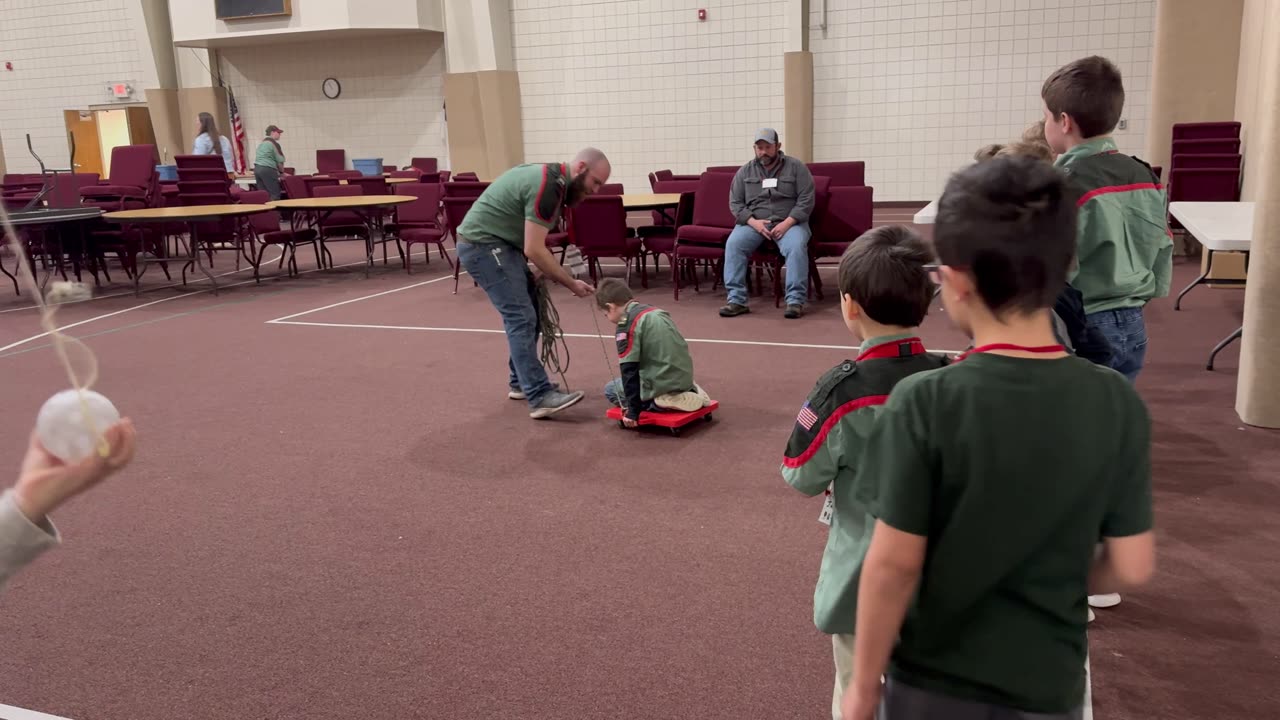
{"x": 66, "y": 432}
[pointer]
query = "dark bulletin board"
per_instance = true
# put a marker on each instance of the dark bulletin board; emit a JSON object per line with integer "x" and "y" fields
{"x": 244, "y": 9}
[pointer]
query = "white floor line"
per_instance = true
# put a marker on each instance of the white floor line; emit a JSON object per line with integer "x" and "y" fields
{"x": 9, "y": 712}
{"x": 104, "y": 316}
{"x": 710, "y": 341}
{"x": 199, "y": 279}
{"x": 278, "y": 321}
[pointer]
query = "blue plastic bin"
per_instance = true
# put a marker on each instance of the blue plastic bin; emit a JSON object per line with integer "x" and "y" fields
{"x": 370, "y": 167}
{"x": 167, "y": 173}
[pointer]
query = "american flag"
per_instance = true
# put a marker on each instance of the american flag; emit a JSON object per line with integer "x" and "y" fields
{"x": 807, "y": 419}
{"x": 620, "y": 337}
{"x": 237, "y": 132}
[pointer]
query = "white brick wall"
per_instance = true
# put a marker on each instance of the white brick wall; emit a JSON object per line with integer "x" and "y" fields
{"x": 914, "y": 88}
{"x": 65, "y": 54}
{"x": 646, "y": 82}
{"x": 390, "y": 107}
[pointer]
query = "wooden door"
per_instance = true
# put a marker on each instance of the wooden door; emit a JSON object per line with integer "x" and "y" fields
{"x": 140, "y": 130}
{"x": 84, "y": 128}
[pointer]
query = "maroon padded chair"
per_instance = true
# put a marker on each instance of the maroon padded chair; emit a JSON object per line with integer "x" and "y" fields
{"x": 265, "y": 231}
{"x": 598, "y": 226}
{"x": 846, "y": 216}
{"x": 329, "y": 161}
{"x": 465, "y": 188}
{"x": 842, "y": 174}
{"x": 611, "y": 189}
{"x": 767, "y": 257}
{"x": 703, "y": 239}
{"x": 425, "y": 165}
{"x": 467, "y": 177}
{"x": 339, "y": 225}
{"x": 1225, "y": 146}
{"x": 417, "y": 222}
{"x": 1206, "y": 131}
{"x": 455, "y": 211}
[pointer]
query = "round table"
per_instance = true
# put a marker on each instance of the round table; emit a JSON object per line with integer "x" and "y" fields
{"x": 362, "y": 205}
{"x": 190, "y": 214}
{"x": 44, "y": 217}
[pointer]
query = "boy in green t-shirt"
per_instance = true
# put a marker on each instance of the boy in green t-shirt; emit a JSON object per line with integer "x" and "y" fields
{"x": 885, "y": 293}
{"x": 657, "y": 370}
{"x": 988, "y": 512}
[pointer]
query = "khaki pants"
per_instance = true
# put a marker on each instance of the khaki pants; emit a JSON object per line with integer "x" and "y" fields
{"x": 842, "y": 649}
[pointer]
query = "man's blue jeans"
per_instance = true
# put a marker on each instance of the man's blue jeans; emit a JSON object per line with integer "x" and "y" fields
{"x": 794, "y": 247}
{"x": 1126, "y": 331}
{"x": 504, "y": 274}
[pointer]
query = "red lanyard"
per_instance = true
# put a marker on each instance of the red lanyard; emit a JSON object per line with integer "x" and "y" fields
{"x": 893, "y": 348}
{"x": 1010, "y": 346}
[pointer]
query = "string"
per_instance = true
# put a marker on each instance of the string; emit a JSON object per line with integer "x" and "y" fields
{"x": 551, "y": 343}
{"x": 62, "y": 343}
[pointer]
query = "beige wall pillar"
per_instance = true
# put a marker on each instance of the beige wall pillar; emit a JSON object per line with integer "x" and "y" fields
{"x": 482, "y": 88}
{"x": 1258, "y": 388}
{"x": 1193, "y": 73}
{"x": 797, "y": 82}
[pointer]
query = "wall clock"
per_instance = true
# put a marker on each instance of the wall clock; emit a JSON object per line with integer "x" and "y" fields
{"x": 332, "y": 88}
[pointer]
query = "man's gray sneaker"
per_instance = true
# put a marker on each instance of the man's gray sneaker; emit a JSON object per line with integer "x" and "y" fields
{"x": 555, "y": 401}
{"x": 516, "y": 393}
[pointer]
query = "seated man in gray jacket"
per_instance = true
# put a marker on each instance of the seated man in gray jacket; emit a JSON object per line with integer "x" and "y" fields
{"x": 772, "y": 198}
{"x": 44, "y": 483}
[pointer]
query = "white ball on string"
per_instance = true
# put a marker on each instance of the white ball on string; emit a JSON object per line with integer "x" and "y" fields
{"x": 66, "y": 432}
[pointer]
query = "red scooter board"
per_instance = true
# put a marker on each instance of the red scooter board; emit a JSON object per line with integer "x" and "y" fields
{"x": 673, "y": 421}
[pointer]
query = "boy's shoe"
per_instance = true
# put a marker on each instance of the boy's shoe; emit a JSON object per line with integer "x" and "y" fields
{"x": 734, "y": 310}
{"x": 1091, "y": 616}
{"x": 555, "y": 401}
{"x": 1104, "y": 601}
{"x": 516, "y": 393}
{"x": 793, "y": 312}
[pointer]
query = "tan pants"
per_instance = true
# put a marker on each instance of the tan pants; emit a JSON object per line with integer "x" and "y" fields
{"x": 842, "y": 649}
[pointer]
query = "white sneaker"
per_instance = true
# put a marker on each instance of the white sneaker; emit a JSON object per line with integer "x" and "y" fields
{"x": 1104, "y": 601}
{"x": 1091, "y": 615}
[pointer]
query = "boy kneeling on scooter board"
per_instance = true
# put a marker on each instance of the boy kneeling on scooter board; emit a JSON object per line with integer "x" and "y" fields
{"x": 657, "y": 370}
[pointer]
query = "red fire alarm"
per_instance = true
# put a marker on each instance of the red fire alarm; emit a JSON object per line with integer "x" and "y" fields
{"x": 702, "y": 14}
{"x": 8, "y": 66}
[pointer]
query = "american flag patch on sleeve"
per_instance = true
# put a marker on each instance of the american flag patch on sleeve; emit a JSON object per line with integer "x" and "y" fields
{"x": 806, "y": 419}
{"x": 620, "y": 337}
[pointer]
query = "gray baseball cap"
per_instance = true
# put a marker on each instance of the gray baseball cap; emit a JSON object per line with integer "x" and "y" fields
{"x": 768, "y": 135}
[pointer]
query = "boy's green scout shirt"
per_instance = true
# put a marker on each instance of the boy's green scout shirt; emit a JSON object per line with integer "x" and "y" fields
{"x": 824, "y": 451}
{"x": 526, "y": 192}
{"x": 1014, "y": 469}
{"x": 653, "y": 356}
{"x": 1123, "y": 248}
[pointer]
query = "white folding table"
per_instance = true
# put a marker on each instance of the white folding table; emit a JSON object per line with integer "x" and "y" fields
{"x": 1220, "y": 227}
{"x": 927, "y": 214}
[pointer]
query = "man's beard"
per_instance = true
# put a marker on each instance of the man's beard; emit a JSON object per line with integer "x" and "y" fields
{"x": 576, "y": 191}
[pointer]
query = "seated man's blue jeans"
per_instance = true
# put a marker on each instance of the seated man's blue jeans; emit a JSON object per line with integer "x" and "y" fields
{"x": 616, "y": 394}
{"x": 794, "y": 247}
{"x": 504, "y": 274}
{"x": 1126, "y": 331}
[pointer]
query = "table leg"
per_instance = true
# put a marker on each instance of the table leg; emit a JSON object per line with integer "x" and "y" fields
{"x": 195, "y": 258}
{"x": 1208, "y": 267}
{"x": 1220, "y": 346}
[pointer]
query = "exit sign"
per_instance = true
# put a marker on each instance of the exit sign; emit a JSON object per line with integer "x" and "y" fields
{"x": 121, "y": 91}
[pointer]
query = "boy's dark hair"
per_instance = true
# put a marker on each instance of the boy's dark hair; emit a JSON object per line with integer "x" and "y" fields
{"x": 1090, "y": 91}
{"x": 1011, "y": 223}
{"x": 612, "y": 290}
{"x": 884, "y": 272}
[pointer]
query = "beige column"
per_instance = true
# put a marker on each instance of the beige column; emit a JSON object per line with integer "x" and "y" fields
{"x": 1194, "y": 68}
{"x": 482, "y": 88}
{"x": 1258, "y": 387}
{"x": 797, "y": 82}
{"x": 1193, "y": 79}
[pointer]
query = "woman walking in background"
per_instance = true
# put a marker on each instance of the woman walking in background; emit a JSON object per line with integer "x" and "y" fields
{"x": 206, "y": 143}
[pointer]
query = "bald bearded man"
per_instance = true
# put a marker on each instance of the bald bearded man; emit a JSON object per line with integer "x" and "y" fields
{"x": 503, "y": 232}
